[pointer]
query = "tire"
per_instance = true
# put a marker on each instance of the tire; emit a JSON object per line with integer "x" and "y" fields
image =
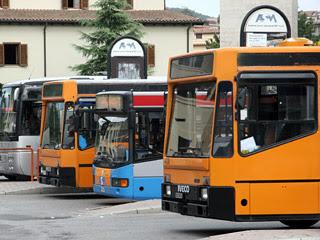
{"x": 299, "y": 223}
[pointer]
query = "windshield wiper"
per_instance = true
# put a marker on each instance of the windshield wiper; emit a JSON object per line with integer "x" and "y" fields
{"x": 189, "y": 151}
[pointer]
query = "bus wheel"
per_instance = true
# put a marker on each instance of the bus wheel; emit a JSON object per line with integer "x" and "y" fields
{"x": 299, "y": 223}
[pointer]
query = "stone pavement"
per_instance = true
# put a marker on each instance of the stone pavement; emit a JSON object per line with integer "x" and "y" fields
{"x": 10, "y": 187}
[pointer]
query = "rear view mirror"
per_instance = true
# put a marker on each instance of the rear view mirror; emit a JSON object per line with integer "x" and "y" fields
{"x": 15, "y": 99}
{"x": 241, "y": 98}
{"x": 16, "y": 94}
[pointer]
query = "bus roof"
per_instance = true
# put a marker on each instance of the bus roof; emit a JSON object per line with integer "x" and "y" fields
{"x": 280, "y": 49}
{"x": 151, "y": 80}
{"x": 49, "y": 79}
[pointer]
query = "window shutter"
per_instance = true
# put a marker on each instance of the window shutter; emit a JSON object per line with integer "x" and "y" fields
{"x": 23, "y": 55}
{"x": 151, "y": 55}
{"x": 65, "y": 4}
{"x": 84, "y": 4}
{"x": 5, "y": 3}
{"x": 1, "y": 55}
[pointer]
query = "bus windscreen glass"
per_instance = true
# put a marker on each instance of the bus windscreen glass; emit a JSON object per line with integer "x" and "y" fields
{"x": 199, "y": 65}
{"x": 51, "y": 137}
{"x": 112, "y": 142}
{"x": 191, "y": 121}
{"x": 7, "y": 114}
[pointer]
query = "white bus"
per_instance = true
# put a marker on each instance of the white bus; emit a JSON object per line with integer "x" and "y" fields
{"x": 20, "y": 120}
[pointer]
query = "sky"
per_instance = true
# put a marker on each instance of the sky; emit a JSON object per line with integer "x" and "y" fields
{"x": 212, "y": 7}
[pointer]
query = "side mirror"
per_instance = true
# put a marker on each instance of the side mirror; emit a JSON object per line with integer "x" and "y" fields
{"x": 15, "y": 99}
{"x": 241, "y": 98}
{"x": 16, "y": 94}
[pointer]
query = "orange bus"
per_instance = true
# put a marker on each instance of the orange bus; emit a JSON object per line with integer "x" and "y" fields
{"x": 68, "y": 129}
{"x": 68, "y": 132}
{"x": 242, "y": 135}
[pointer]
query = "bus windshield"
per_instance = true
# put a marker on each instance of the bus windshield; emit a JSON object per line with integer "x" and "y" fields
{"x": 8, "y": 117}
{"x": 191, "y": 121}
{"x": 112, "y": 140}
{"x": 51, "y": 137}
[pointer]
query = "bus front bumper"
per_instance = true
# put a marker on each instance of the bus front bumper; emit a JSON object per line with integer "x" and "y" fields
{"x": 59, "y": 177}
{"x": 199, "y": 201}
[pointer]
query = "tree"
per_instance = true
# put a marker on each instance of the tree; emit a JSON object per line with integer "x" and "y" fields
{"x": 213, "y": 42}
{"x": 306, "y": 27}
{"x": 110, "y": 23}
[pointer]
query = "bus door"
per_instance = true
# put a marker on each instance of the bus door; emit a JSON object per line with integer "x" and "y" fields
{"x": 277, "y": 119}
{"x": 85, "y": 139}
{"x": 148, "y": 149}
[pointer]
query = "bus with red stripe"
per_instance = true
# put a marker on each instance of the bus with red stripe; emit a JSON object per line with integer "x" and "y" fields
{"x": 129, "y": 143}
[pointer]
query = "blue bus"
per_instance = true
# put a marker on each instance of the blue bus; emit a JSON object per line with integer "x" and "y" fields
{"x": 129, "y": 142}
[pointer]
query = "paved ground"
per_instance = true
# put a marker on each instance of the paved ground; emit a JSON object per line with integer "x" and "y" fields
{"x": 27, "y": 187}
{"x": 88, "y": 216}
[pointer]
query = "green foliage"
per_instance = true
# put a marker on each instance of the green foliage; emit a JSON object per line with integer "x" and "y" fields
{"x": 213, "y": 42}
{"x": 111, "y": 23}
{"x": 306, "y": 27}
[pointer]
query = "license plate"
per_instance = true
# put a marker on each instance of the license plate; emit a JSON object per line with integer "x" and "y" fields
{"x": 179, "y": 195}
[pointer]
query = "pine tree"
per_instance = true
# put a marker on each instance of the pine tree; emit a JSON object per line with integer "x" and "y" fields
{"x": 213, "y": 42}
{"x": 305, "y": 26}
{"x": 110, "y": 23}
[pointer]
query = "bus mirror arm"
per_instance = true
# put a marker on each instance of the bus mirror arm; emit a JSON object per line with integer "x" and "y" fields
{"x": 76, "y": 122}
{"x": 132, "y": 119}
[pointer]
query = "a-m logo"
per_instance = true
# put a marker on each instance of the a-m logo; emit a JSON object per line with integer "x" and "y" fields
{"x": 130, "y": 46}
{"x": 262, "y": 18}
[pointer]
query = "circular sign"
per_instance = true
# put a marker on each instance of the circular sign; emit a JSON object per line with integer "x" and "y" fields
{"x": 264, "y": 26}
{"x": 127, "y": 59}
{"x": 127, "y": 47}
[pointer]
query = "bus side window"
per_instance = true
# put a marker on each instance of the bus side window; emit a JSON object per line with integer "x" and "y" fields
{"x": 31, "y": 118}
{"x": 68, "y": 136}
{"x": 149, "y": 135}
{"x": 223, "y": 128}
{"x": 277, "y": 113}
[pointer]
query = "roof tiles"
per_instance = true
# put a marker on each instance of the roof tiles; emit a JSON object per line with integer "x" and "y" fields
{"x": 76, "y": 16}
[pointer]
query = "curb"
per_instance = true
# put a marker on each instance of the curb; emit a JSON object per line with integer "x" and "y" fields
{"x": 140, "y": 207}
{"x": 43, "y": 190}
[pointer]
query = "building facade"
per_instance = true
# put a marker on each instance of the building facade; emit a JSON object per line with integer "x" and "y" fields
{"x": 206, "y": 32}
{"x": 37, "y": 37}
{"x": 233, "y": 13}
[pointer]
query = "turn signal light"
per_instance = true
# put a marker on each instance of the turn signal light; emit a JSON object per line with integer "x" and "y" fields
{"x": 120, "y": 182}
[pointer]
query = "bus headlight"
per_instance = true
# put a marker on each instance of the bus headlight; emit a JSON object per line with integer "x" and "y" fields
{"x": 43, "y": 170}
{"x": 168, "y": 190}
{"x": 204, "y": 193}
